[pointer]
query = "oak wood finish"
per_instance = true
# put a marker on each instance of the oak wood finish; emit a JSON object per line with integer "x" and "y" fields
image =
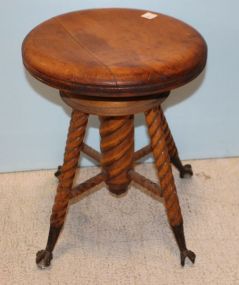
{"x": 114, "y": 53}
{"x": 114, "y": 107}
{"x": 142, "y": 152}
{"x": 184, "y": 170}
{"x": 72, "y": 153}
{"x": 87, "y": 150}
{"x": 117, "y": 147}
{"x": 86, "y": 185}
{"x": 91, "y": 152}
{"x": 114, "y": 63}
{"x": 162, "y": 161}
{"x": 146, "y": 183}
{"x": 166, "y": 180}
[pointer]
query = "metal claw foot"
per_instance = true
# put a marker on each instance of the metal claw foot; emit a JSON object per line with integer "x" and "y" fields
{"x": 58, "y": 172}
{"x": 186, "y": 171}
{"x": 43, "y": 258}
{"x": 187, "y": 253}
{"x": 184, "y": 252}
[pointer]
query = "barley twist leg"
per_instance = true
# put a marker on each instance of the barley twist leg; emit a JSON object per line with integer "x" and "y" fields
{"x": 72, "y": 152}
{"x": 162, "y": 160}
{"x": 184, "y": 170}
{"x": 117, "y": 147}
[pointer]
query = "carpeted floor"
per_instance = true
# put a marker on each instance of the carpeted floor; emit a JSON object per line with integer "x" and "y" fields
{"x": 127, "y": 240}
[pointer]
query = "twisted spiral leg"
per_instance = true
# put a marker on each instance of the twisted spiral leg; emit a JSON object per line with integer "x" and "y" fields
{"x": 72, "y": 152}
{"x": 184, "y": 170}
{"x": 117, "y": 147}
{"x": 162, "y": 160}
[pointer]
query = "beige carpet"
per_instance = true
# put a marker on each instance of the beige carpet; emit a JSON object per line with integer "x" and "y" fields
{"x": 125, "y": 240}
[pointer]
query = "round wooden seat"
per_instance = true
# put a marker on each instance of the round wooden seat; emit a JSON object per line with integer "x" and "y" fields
{"x": 114, "y": 53}
{"x": 114, "y": 63}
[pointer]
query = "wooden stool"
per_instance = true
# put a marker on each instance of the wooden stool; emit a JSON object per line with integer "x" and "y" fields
{"x": 115, "y": 63}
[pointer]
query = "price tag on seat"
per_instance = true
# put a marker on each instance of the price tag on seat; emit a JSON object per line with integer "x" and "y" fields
{"x": 149, "y": 15}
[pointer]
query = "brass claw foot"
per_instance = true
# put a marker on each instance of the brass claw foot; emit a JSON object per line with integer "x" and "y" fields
{"x": 58, "y": 172}
{"x": 43, "y": 258}
{"x": 187, "y": 253}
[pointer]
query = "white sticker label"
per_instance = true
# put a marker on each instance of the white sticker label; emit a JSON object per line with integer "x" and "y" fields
{"x": 149, "y": 15}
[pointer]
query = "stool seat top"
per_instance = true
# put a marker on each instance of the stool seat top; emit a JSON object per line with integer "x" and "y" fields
{"x": 114, "y": 52}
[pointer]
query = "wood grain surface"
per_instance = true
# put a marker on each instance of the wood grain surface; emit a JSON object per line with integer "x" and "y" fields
{"x": 162, "y": 162}
{"x": 72, "y": 153}
{"x": 115, "y": 63}
{"x": 107, "y": 52}
{"x": 117, "y": 148}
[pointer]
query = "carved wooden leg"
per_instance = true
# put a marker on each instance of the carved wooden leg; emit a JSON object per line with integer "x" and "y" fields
{"x": 72, "y": 152}
{"x": 117, "y": 147}
{"x": 162, "y": 160}
{"x": 184, "y": 170}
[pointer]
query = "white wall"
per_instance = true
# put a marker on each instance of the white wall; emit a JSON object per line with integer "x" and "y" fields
{"x": 203, "y": 115}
